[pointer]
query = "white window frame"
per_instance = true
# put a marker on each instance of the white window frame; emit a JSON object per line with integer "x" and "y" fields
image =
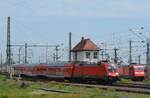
{"x": 87, "y": 55}
{"x": 95, "y": 55}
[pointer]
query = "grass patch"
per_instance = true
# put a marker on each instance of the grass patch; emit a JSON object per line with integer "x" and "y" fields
{"x": 123, "y": 80}
{"x": 12, "y": 89}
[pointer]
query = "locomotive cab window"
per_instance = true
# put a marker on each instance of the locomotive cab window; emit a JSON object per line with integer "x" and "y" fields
{"x": 139, "y": 68}
{"x": 112, "y": 68}
{"x": 95, "y": 55}
{"x": 109, "y": 68}
{"x": 87, "y": 55}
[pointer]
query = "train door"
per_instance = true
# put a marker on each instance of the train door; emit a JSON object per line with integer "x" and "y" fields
{"x": 131, "y": 72}
{"x": 78, "y": 71}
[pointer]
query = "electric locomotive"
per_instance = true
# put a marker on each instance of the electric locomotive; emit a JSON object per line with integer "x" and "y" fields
{"x": 100, "y": 72}
{"x": 133, "y": 71}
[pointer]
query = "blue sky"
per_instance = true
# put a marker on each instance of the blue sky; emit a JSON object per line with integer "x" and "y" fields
{"x": 49, "y": 21}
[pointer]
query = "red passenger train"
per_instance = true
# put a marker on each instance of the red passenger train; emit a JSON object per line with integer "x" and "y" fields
{"x": 101, "y": 72}
{"x": 85, "y": 65}
{"x": 133, "y": 71}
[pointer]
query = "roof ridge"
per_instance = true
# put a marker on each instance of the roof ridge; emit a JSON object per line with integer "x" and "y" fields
{"x": 85, "y": 45}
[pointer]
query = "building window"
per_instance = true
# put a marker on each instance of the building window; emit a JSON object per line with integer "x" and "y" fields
{"x": 87, "y": 55}
{"x": 95, "y": 55}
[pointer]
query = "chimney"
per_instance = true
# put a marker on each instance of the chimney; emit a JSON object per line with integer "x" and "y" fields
{"x": 82, "y": 38}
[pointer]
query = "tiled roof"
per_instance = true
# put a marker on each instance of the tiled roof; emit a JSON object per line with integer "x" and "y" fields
{"x": 85, "y": 45}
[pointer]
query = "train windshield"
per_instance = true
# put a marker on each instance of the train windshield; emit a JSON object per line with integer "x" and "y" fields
{"x": 112, "y": 68}
{"x": 139, "y": 68}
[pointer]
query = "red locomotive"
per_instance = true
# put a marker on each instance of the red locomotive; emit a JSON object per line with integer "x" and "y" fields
{"x": 83, "y": 66}
{"x": 103, "y": 71}
{"x": 133, "y": 71}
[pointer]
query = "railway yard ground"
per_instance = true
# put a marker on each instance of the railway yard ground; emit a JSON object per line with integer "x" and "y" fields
{"x": 38, "y": 89}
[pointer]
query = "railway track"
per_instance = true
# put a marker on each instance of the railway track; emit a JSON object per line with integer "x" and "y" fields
{"x": 136, "y": 83}
{"x": 132, "y": 85}
{"x": 124, "y": 87}
{"x": 127, "y": 88}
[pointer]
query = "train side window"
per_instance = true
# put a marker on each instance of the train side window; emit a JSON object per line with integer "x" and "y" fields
{"x": 87, "y": 55}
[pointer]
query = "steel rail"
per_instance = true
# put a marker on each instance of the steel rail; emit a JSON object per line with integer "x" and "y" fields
{"x": 126, "y": 87}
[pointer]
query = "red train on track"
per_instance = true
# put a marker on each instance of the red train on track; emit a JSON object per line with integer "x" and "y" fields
{"x": 102, "y": 72}
{"x": 133, "y": 71}
{"x": 83, "y": 66}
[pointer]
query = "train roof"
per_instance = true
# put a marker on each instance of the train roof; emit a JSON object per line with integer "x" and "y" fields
{"x": 42, "y": 64}
{"x": 22, "y": 65}
{"x": 57, "y": 63}
{"x": 134, "y": 65}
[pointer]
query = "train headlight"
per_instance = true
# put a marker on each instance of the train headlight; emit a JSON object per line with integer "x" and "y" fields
{"x": 117, "y": 73}
{"x": 139, "y": 72}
